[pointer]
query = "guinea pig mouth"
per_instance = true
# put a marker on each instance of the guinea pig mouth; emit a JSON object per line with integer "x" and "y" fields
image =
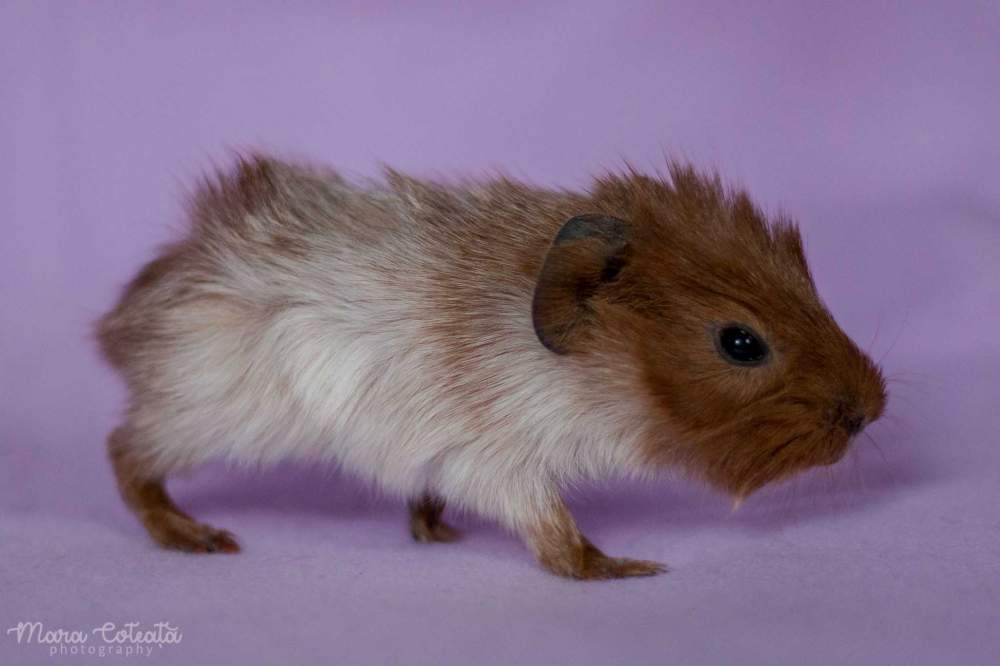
{"x": 834, "y": 455}
{"x": 835, "y": 448}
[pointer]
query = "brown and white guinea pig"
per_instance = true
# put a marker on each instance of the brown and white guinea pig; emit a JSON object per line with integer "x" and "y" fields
{"x": 482, "y": 344}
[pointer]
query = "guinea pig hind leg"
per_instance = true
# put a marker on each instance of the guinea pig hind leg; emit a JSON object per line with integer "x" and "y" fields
{"x": 563, "y": 550}
{"x": 147, "y": 497}
{"x": 426, "y": 525}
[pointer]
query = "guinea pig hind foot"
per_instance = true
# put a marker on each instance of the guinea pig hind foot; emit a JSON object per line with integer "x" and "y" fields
{"x": 176, "y": 531}
{"x": 147, "y": 497}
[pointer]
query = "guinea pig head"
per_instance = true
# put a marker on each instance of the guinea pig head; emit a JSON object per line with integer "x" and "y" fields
{"x": 747, "y": 377}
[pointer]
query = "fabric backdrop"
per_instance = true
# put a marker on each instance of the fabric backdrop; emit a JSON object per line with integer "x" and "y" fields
{"x": 874, "y": 124}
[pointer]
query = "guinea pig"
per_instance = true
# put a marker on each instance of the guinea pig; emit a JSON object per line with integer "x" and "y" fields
{"x": 484, "y": 344}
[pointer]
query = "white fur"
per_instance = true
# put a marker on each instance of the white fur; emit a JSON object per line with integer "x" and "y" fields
{"x": 330, "y": 359}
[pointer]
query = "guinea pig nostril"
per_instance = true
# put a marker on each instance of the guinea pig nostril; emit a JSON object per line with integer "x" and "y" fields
{"x": 853, "y": 423}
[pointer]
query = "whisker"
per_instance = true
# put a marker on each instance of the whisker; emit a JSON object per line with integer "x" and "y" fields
{"x": 899, "y": 334}
{"x": 885, "y": 461}
{"x": 913, "y": 374}
{"x": 857, "y": 469}
{"x": 917, "y": 412}
{"x": 924, "y": 384}
{"x": 906, "y": 399}
{"x": 893, "y": 418}
{"x": 878, "y": 327}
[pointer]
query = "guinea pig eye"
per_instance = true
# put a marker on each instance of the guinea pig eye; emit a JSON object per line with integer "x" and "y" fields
{"x": 740, "y": 345}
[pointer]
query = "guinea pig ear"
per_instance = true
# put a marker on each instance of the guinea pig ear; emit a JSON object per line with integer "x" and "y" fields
{"x": 588, "y": 251}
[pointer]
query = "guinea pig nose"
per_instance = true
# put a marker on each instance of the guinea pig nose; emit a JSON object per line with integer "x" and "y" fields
{"x": 849, "y": 416}
{"x": 853, "y": 423}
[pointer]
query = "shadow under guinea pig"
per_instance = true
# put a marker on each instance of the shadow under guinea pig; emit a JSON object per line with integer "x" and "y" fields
{"x": 286, "y": 489}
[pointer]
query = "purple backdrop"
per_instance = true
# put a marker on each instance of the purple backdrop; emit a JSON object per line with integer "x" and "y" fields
{"x": 875, "y": 124}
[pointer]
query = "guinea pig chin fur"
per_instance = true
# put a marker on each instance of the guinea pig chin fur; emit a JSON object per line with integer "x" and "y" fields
{"x": 483, "y": 344}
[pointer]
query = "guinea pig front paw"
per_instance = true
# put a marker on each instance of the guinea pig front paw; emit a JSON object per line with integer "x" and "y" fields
{"x": 562, "y": 549}
{"x": 604, "y": 567}
{"x": 426, "y": 525}
{"x": 584, "y": 561}
{"x": 595, "y": 565}
{"x": 439, "y": 533}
